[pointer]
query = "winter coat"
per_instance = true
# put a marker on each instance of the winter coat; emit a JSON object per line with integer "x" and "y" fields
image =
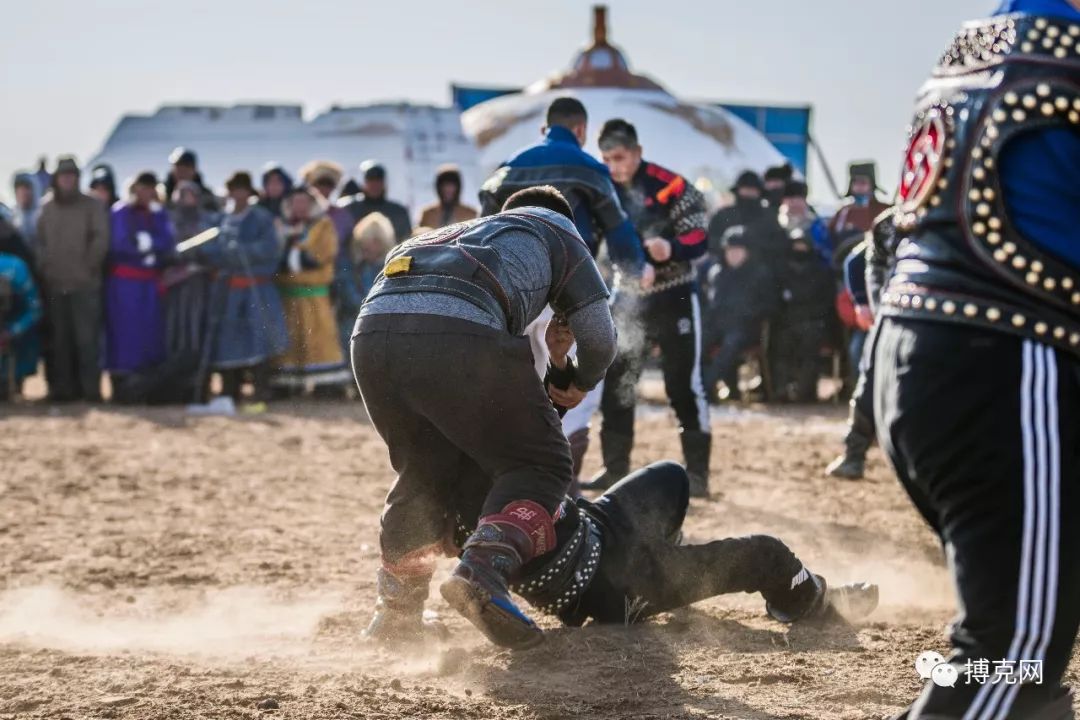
{"x": 72, "y": 241}
{"x": 737, "y": 296}
{"x": 20, "y": 314}
{"x": 360, "y": 207}
{"x": 305, "y": 294}
{"x": 436, "y": 215}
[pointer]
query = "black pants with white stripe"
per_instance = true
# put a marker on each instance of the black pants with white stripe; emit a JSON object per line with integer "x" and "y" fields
{"x": 983, "y": 429}
{"x": 670, "y": 319}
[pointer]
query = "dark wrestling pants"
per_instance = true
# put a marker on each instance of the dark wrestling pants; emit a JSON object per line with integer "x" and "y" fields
{"x": 644, "y": 570}
{"x": 454, "y": 400}
{"x": 984, "y": 432}
{"x": 672, "y": 320}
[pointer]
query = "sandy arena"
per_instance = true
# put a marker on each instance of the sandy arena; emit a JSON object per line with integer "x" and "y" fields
{"x": 156, "y": 565}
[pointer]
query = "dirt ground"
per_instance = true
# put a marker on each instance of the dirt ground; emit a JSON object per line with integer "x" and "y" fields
{"x": 157, "y": 565}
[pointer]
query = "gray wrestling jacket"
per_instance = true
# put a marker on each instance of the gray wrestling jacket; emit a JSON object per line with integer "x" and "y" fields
{"x": 458, "y": 260}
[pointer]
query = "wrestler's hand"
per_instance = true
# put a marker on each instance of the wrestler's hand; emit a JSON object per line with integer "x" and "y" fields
{"x": 658, "y": 248}
{"x": 559, "y": 339}
{"x": 569, "y": 398}
{"x": 648, "y": 276}
{"x": 864, "y": 317}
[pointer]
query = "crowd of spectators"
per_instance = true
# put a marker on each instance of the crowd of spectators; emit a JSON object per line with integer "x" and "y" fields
{"x": 168, "y": 284}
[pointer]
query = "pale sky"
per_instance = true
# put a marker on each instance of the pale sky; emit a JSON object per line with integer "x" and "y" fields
{"x": 70, "y": 68}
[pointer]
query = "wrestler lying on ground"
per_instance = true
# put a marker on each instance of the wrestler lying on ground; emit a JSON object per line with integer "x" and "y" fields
{"x": 620, "y": 559}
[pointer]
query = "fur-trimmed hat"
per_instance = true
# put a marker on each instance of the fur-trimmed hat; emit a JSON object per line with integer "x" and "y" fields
{"x": 867, "y": 169}
{"x": 319, "y": 171}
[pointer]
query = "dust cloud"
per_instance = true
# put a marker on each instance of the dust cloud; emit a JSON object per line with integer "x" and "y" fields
{"x": 229, "y": 622}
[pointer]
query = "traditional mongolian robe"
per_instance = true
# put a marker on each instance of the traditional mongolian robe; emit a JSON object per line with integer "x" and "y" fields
{"x": 247, "y": 324}
{"x": 142, "y": 242}
{"x": 314, "y": 353}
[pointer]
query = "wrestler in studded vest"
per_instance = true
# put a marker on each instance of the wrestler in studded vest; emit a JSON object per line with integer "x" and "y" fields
{"x": 962, "y": 259}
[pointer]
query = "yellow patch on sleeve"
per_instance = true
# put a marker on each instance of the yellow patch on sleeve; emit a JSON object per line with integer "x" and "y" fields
{"x": 398, "y": 266}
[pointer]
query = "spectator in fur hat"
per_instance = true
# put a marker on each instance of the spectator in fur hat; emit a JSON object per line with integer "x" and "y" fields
{"x": 324, "y": 176}
{"x": 855, "y": 217}
{"x": 313, "y": 357}
{"x": 448, "y": 209}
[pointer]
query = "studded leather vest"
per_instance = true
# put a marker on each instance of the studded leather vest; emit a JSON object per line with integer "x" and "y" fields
{"x": 960, "y": 258}
{"x": 459, "y": 260}
{"x": 556, "y": 587}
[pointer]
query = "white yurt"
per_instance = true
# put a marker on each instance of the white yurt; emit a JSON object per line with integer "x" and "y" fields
{"x": 707, "y": 144}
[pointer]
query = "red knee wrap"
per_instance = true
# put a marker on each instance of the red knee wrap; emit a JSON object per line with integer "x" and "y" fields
{"x": 531, "y": 519}
{"x": 417, "y": 563}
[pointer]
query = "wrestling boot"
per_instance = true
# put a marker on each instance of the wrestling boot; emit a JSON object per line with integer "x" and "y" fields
{"x": 399, "y": 612}
{"x": 697, "y": 447}
{"x": 811, "y": 599}
{"x": 860, "y": 435}
{"x": 492, "y": 559}
{"x": 615, "y": 447}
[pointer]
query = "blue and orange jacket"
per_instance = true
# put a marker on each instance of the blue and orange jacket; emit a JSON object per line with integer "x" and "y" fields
{"x": 662, "y": 203}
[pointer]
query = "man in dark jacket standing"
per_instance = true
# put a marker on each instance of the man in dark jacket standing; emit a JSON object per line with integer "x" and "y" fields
{"x": 750, "y": 210}
{"x": 72, "y": 239}
{"x": 449, "y": 383}
{"x": 669, "y": 214}
{"x": 807, "y": 292}
{"x": 373, "y": 199}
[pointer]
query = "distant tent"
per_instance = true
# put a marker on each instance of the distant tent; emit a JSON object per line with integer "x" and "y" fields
{"x": 787, "y": 127}
{"x": 465, "y": 96}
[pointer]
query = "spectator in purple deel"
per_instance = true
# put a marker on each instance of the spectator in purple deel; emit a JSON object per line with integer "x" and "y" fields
{"x": 142, "y": 242}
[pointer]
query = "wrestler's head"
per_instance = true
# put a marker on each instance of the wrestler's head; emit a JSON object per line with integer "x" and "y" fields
{"x": 544, "y": 196}
{"x": 621, "y": 150}
{"x": 569, "y": 113}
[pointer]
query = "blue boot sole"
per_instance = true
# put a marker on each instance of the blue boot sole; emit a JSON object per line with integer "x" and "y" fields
{"x": 504, "y": 626}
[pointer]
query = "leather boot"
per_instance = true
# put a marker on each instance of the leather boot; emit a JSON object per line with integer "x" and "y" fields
{"x": 399, "y": 611}
{"x": 697, "y": 448}
{"x": 615, "y": 447}
{"x": 813, "y": 600}
{"x": 490, "y": 563}
{"x": 860, "y": 435}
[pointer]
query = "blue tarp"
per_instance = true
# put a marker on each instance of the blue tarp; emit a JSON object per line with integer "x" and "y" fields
{"x": 786, "y": 127}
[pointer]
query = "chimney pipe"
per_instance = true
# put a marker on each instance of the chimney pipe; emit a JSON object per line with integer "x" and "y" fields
{"x": 600, "y": 25}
